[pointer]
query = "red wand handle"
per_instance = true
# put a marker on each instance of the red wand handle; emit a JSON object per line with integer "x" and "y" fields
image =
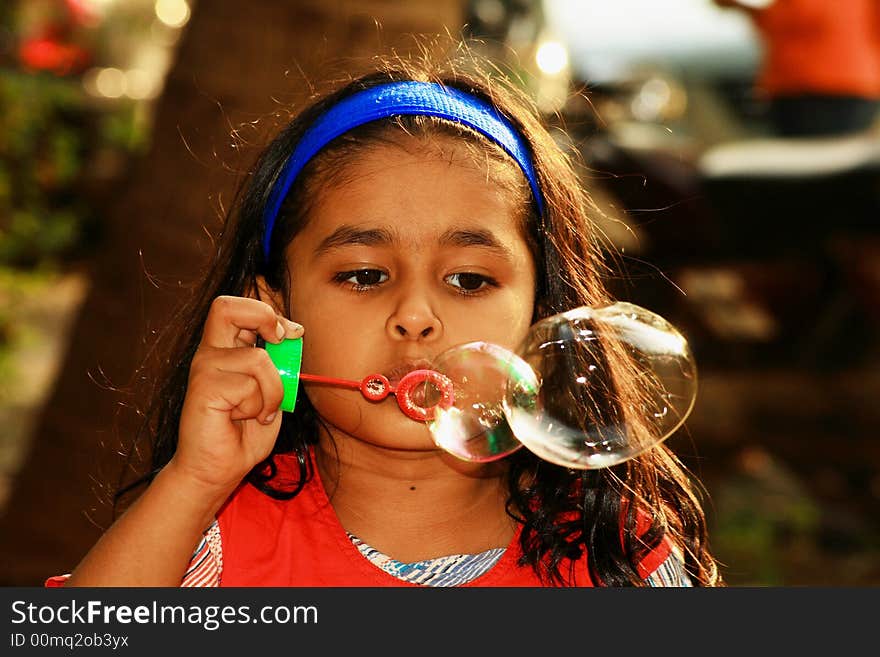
{"x": 376, "y": 387}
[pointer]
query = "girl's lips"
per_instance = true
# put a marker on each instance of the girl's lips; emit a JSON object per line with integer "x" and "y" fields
{"x": 396, "y": 373}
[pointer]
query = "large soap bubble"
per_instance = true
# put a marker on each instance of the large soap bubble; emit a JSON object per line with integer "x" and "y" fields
{"x": 588, "y": 388}
{"x": 615, "y": 381}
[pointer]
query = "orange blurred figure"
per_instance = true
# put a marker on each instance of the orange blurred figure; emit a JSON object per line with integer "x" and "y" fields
{"x": 820, "y": 72}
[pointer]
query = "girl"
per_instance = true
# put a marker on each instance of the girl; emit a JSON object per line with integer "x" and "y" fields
{"x": 416, "y": 208}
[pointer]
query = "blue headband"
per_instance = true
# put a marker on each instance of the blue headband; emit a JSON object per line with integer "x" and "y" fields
{"x": 398, "y": 98}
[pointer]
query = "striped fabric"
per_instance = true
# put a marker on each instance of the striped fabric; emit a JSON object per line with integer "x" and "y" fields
{"x": 206, "y": 563}
{"x": 670, "y": 573}
{"x": 451, "y": 570}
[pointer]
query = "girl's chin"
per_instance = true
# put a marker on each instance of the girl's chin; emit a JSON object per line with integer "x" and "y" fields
{"x": 401, "y": 432}
{"x": 385, "y": 425}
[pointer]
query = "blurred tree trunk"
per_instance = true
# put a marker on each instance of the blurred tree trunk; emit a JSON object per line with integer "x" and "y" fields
{"x": 235, "y": 59}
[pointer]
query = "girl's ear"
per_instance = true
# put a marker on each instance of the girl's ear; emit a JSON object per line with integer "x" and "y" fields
{"x": 268, "y": 295}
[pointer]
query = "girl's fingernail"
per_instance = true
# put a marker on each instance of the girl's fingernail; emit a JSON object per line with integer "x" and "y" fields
{"x": 294, "y": 328}
{"x": 270, "y": 417}
{"x": 280, "y": 331}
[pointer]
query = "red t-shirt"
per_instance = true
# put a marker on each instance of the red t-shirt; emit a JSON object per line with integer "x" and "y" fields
{"x": 300, "y": 542}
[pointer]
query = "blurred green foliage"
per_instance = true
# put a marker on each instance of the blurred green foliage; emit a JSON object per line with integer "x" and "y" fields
{"x": 48, "y": 137}
{"x": 42, "y": 154}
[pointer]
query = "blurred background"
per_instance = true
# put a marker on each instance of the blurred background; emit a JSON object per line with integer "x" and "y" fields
{"x": 125, "y": 124}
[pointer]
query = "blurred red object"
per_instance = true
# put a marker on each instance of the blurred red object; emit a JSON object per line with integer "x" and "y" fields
{"x": 43, "y": 53}
{"x": 52, "y": 47}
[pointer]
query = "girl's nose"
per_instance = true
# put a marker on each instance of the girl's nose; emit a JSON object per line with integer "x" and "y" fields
{"x": 414, "y": 319}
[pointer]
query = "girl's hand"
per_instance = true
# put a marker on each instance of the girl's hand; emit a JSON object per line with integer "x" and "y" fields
{"x": 231, "y": 415}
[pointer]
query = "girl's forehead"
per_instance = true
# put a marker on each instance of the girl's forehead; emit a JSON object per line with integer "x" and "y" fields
{"x": 398, "y": 148}
{"x": 399, "y": 196}
{"x": 443, "y": 174}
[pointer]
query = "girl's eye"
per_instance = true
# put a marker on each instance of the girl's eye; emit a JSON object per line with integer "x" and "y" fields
{"x": 470, "y": 282}
{"x": 361, "y": 279}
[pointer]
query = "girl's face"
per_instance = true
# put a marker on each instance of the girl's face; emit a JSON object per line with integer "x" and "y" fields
{"x": 410, "y": 252}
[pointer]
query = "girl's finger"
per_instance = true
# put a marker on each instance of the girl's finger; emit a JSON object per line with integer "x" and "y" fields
{"x": 230, "y": 315}
{"x": 227, "y": 392}
{"x": 253, "y": 363}
{"x": 243, "y": 399}
{"x": 246, "y": 338}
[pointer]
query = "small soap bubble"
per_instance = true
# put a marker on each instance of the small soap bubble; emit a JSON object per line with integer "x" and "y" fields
{"x": 475, "y": 427}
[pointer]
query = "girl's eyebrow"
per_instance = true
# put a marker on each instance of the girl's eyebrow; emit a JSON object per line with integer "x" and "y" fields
{"x": 482, "y": 238}
{"x": 347, "y": 235}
